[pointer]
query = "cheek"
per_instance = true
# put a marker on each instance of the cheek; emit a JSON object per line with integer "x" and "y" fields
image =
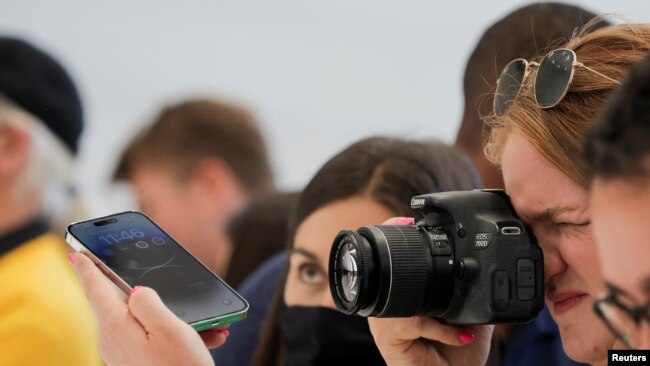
{"x": 608, "y": 259}
{"x": 297, "y": 293}
{"x": 176, "y": 206}
{"x": 177, "y": 219}
{"x": 291, "y": 296}
{"x": 645, "y": 335}
{"x": 167, "y": 216}
{"x": 581, "y": 257}
{"x": 626, "y": 269}
{"x": 624, "y": 254}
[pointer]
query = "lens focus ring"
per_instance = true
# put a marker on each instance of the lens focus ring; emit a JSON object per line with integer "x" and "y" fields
{"x": 409, "y": 270}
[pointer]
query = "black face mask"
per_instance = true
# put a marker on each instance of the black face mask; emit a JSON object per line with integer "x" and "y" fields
{"x": 320, "y": 336}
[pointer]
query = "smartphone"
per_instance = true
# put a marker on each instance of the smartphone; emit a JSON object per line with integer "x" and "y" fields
{"x": 132, "y": 250}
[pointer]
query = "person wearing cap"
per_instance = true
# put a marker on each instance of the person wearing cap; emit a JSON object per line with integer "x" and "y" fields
{"x": 45, "y": 318}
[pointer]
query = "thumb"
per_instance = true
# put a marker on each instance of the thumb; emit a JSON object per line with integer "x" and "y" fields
{"x": 147, "y": 307}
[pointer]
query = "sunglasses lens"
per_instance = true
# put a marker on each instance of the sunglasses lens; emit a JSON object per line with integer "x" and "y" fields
{"x": 553, "y": 78}
{"x": 509, "y": 85}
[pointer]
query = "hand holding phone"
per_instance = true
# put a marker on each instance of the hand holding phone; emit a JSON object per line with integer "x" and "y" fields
{"x": 133, "y": 251}
{"x": 142, "y": 330}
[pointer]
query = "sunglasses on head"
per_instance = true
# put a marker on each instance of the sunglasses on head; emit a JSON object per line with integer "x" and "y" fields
{"x": 554, "y": 76}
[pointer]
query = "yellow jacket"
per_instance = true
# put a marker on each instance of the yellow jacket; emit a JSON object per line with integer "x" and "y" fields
{"x": 45, "y": 318}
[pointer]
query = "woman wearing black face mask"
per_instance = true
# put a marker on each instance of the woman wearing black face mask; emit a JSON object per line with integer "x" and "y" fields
{"x": 365, "y": 184}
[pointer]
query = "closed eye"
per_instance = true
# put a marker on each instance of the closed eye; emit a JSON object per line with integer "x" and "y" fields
{"x": 575, "y": 224}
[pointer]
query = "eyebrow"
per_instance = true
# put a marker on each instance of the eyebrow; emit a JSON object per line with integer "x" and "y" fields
{"x": 547, "y": 214}
{"x": 305, "y": 253}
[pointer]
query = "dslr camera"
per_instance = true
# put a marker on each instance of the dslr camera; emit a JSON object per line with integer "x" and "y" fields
{"x": 470, "y": 260}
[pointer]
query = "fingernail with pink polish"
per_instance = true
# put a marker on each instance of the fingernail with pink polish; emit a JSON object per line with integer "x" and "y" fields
{"x": 465, "y": 337}
{"x": 135, "y": 289}
{"x": 225, "y": 332}
{"x": 405, "y": 221}
{"x": 71, "y": 258}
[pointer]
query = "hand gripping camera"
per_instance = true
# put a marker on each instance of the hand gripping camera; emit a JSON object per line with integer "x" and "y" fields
{"x": 470, "y": 260}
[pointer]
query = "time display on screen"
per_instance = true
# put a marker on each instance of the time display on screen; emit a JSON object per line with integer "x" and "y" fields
{"x": 118, "y": 236}
{"x": 140, "y": 253}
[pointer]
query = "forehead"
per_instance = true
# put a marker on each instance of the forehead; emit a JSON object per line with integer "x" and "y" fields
{"x": 154, "y": 183}
{"x": 535, "y": 186}
{"x": 149, "y": 174}
{"x": 318, "y": 230}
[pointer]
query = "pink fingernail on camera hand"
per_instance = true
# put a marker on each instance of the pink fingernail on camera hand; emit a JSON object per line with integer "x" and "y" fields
{"x": 405, "y": 221}
{"x": 465, "y": 337}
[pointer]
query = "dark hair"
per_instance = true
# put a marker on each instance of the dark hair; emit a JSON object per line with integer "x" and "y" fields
{"x": 388, "y": 170}
{"x": 257, "y": 233}
{"x": 618, "y": 141}
{"x": 185, "y": 133}
{"x": 37, "y": 83}
{"x": 527, "y": 32}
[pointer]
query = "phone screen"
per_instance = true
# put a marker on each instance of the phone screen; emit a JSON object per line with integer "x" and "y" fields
{"x": 142, "y": 254}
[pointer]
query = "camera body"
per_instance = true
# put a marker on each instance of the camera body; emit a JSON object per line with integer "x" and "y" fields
{"x": 470, "y": 260}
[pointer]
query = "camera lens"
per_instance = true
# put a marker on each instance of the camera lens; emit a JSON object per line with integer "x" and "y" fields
{"x": 387, "y": 271}
{"x": 349, "y": 271}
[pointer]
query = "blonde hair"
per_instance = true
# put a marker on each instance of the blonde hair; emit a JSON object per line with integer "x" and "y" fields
{"x": 557, "y": 133}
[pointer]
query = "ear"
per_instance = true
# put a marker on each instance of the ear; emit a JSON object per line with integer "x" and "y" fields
{"x": 14, "y": 150}
{"x": 216, "y": 179}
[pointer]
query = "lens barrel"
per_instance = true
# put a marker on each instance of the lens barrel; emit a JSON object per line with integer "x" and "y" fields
{"x": 383, "y": 271}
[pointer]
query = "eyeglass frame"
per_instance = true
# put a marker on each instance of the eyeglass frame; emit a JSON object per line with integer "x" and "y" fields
{"x": 637, "y": 313}
{"x": 528, "y": 67}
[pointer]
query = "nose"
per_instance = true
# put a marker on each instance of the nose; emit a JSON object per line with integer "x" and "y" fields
{"x": 553, "y": 261}
{"x": 553, "y": 264}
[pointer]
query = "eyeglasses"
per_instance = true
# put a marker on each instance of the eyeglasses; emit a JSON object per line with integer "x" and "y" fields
{"x": 552, "y": 82}
{"x": 620, "y": 314}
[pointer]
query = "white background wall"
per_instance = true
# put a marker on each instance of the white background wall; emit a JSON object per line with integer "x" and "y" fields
{"x": 318, "y": 74}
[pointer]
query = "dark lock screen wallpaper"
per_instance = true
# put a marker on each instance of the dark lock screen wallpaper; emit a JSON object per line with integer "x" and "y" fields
{"x": 140, "y": 253}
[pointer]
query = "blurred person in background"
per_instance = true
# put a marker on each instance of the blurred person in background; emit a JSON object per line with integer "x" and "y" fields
{"x": 527, "y": 32}
{"x": 365, "y": 184}
{"x": 258, "y": 233}
{"x": 193, "y": 168}
{"x": 618, "y": 156}
{"x": 44, "y": 316}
